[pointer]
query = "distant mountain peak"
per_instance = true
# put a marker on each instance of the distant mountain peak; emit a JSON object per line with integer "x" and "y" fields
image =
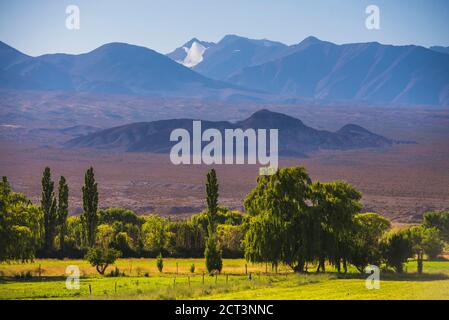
{"x": 194, "y": 54}
{"x": 231, "y": 37}
{"x": 192, "y": 41}
{"x": 274, "y": 119}
{"x": 122, "y": 46}
{"x": 191, "y": 53}
{"x": 311, "y": 39}
{"x": 206, "y": 44}
{"x": 352, "y": 128}
{"x": 265, "y": 113}
{"x": 233, "y": 53}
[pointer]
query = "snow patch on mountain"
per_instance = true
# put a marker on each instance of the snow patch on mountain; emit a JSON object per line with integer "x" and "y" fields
{"x": 194, "y": 55}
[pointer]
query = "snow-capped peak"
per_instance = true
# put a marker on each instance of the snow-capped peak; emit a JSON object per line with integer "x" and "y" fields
{"x": 194, "y": 54}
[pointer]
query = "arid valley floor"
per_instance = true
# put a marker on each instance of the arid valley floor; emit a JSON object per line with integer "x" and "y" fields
{"x": 400, "y": 182}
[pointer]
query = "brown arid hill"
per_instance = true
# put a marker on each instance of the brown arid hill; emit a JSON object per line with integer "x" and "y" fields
{"x": 295, "y": 138}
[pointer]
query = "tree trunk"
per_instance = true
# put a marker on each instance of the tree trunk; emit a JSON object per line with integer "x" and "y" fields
{"x": 420, "y": 261}
{"x": 299, "y": 268}
{"x": 321, "y": 266}
{"x": 61, "y": 243}
{"x": 101, "y": 268}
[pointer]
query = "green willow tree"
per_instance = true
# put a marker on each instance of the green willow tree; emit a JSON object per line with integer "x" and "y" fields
{"x": 335, "y": 204}
{"x": 49, "y": 208}
{"x": 281, "y": 228}
{"x": 90, "y": 206}
{"x": 63, "y": 211}
{"x": 212, "y": 252}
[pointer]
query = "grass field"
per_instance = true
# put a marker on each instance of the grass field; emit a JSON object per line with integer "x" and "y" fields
{"x": 143, "y": 281}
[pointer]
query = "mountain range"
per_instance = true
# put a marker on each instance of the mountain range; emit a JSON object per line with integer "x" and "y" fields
{"x": 323, "y": 70}
{"x": 116, "y": 68}
{"x": 240, "y": 68}
{"x": 295, "y": 138}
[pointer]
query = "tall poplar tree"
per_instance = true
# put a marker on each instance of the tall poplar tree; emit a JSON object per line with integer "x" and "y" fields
{"x": 212, "y": 251}
{"x": 63, "y": 210}
{"x": 90, "y": 206}
{"x": 48, "y": 205}
{"x": 212, "y": 199}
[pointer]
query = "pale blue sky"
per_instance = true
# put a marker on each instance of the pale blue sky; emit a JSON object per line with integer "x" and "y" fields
{"x": 38, "y": 27}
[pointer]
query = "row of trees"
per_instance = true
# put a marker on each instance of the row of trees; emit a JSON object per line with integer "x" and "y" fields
{"x": 289, "y": 220}
{"x": 27, "y": 230}
{"x": 46, "y": 230}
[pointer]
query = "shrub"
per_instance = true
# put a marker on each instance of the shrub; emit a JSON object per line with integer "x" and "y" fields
{"x": 101, "y": 258}
{"x": 192, "y": 268}
{"x": 24, "y": 275}
{"x": 115, "y": 272}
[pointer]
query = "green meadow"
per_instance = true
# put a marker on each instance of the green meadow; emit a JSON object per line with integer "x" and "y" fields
{"x": 140, "y": 279}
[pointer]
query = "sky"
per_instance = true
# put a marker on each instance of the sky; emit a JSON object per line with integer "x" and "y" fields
{"x": 39, "y": 27}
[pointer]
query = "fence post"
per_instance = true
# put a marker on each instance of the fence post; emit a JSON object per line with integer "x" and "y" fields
{"x": 203, "y": 278}
{"x": 115, "y": 287}
{"x": 246, "y": 268}
{"x": 90, "y": 289}
{"x": 176, "y": 268}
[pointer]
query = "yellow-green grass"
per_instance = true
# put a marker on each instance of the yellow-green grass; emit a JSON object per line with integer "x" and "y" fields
{"x": 342, "y": 289}
{"x": 131, "y": 267}
{"x": 143, "y": 281}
